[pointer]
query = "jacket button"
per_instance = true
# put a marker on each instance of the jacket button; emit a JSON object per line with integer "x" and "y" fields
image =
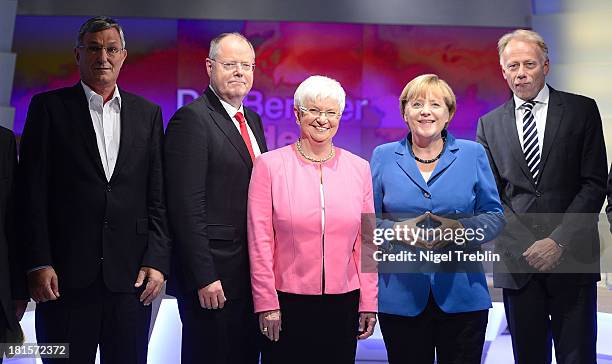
{"x": 538, "y": 194}
{"x": 426, "y": 194}
{"x": 108, "y": 188}
{"x": 105, "y": 223}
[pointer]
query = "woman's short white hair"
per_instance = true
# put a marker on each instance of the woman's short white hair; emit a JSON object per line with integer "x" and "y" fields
{"x": 319, "y": 87}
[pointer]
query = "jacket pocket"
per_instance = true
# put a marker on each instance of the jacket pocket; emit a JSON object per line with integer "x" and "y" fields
{"x": 221, "y": 232}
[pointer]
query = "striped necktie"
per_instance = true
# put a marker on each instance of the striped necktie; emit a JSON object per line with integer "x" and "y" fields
{"x": 531, "y": 148}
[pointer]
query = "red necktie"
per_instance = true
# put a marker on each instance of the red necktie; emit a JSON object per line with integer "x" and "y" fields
{"x": 245, "y": 133}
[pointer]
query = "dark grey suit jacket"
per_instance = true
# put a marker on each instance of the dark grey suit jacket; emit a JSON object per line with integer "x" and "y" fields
{"x": 568, "y": 195}
{"x": 74, "y": 219}
{"x": 208, "y": 169}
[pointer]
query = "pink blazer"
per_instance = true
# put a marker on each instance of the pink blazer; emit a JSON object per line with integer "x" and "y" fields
{"x": 284, "y": 227}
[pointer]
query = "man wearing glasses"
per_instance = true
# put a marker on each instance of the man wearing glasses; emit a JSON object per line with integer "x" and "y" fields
{"x": 95, "y": 228}
{"x": 547, "y": 152}
{"x": 209, "y": 151}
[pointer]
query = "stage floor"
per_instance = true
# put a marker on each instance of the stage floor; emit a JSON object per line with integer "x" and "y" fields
{"x": 164, "y": 344}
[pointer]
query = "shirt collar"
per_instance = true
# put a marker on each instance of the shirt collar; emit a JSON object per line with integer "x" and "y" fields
{"x": 231, "y": 111}
{"x": 92, "y": 95}
{"x": 541, "y": 98}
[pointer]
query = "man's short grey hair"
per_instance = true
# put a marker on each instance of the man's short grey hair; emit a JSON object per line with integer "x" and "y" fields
{"x": 98, "y": 24}
{"x": 524, "y": 35}
{"x": 213, "y": 51}
{"x": 319, "y": 87}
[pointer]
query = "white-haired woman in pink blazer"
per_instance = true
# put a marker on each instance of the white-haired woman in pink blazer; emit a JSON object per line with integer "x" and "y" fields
{"x": 306, "y": 202}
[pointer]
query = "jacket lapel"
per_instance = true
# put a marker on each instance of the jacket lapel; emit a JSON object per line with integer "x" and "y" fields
{"x": 447, "y": 158}
{"x": 79, "y": 108}
{"x": 407, "y": 163}
{"x": 128, "y": 123}
{"x": 225, "y": 123}
{"x": 257, "y": 132}
{"x": 508, "y": 124}
{"x": 554, "y": 116}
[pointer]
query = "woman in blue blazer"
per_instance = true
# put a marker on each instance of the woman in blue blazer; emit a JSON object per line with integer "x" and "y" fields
{"x": 432, "y": 180}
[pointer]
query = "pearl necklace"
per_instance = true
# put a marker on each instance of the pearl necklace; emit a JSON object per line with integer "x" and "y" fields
{"x": 331, "y": 154}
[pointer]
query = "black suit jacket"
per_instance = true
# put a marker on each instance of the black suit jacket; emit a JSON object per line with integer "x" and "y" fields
{"x": 9, "y": 254}
{"x": 208, "y": 169}
{"x": 76, "y": 220}
{"x": 568, "y": 195}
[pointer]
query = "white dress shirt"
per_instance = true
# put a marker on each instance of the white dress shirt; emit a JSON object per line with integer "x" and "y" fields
{"x": 106, "y": 118}
{"x": 540, "y": 111}
{"x": 426, "y": 175}
{"x": 231, "y": 111}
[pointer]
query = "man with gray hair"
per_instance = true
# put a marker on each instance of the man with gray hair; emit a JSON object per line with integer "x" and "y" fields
{"x": 547, "y": 152}
{"x": 92, "y": 192}
{"x": 209, "y": 150}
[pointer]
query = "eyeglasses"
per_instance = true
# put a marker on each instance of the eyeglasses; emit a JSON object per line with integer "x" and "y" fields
{"x": 234, "y": 66}
{"x": 318, "y": 113}
{"x": 96, "y": 49}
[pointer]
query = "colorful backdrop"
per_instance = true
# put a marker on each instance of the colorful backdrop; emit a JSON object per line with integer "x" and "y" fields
{"x": 373, "y": 63}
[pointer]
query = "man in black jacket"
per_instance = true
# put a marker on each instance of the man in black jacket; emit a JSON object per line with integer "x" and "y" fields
{"x": 209, "y": 151}
{"x": 95, "y": 229}
{"x": 547, "y": 152}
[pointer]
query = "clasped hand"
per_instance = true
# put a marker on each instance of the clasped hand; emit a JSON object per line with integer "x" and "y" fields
{"x": 415, "y": 235}
{"x": 543, "y": 255}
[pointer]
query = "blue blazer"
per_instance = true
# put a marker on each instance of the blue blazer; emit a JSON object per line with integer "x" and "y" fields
{"x": 461, "y": 184}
